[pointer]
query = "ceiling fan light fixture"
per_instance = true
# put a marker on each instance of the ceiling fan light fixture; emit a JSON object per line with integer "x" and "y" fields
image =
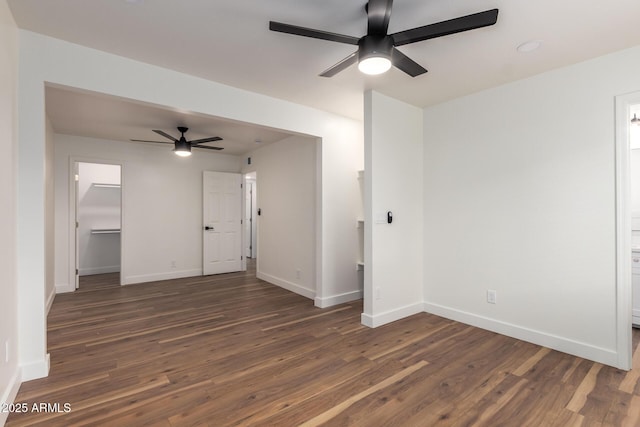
{"x": 374, "y": 65}
{"x": 374, "y": 55}
{"x": 182, "y": 148}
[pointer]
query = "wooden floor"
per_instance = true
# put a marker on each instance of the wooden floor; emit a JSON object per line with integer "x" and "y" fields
{"x": 233, "y": 350}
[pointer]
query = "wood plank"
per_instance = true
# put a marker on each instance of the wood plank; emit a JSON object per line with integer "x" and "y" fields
{"x": 579, "y": 398}
{"x": 531, "y": 362}
{"x": 331, "y": 413}
{"x": 233, "y": 350}
{"x": 628, "y": 384}
{"x": 633, "y": 415}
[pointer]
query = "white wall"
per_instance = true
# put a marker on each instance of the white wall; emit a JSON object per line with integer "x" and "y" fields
{"x": 286, "y": 196}
{"x": 161, "y": 206}
{"x": 393, "y": 277}
{"x": 98, "y": 208}
{"x": 10, "y": 376}
{"x": 519, "y": 193}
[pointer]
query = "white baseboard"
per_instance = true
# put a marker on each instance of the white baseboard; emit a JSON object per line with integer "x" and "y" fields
{"x": 338, "y": 299}
{"x": 9, "y": 393}
{"x": 99, "y": 270}
{"x": 50, "y": 298}
{"x": 391, "y": 315}
{"x": 64, "y": 288}
{"x": 143, "y": 278}
{"x": 34, "y": 370}
{"x": 576, "y": 348}
{"x": 290, "y": 286}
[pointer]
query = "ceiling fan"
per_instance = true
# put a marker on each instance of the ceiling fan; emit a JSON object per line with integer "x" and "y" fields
{"x": 182, "y": 147}
{"x": 377, "y": 49}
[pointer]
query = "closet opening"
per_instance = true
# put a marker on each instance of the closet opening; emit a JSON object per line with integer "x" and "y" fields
{"x": 98, "y": 220}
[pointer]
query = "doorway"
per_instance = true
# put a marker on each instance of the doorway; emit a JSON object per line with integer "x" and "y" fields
{"x": 98, "y": 219}
{"x": 634, "y": 173}
{"x": 624, "y": 105}
{"x": 251, "y": 216}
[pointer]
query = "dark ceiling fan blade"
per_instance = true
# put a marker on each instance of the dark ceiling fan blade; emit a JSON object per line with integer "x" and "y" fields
{"x": 159, "y": 142}
{"x": 452, "y": 26}
{"x": 406, "y": 64}
{"x": 166, "y": 135}
{"x": 314, "y": 34}
{"x": 345, "y": 63}
{"x": 207, "y": 147}
{"x": 211, "y": 139}
{"x": 379, "y": 12}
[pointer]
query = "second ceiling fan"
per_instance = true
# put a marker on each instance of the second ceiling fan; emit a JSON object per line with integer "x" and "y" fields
{"x": 377, "y": 49}
{"x": 182, "y": 147}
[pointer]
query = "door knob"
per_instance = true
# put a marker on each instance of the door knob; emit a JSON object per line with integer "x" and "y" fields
{"x": 207, "y": 227}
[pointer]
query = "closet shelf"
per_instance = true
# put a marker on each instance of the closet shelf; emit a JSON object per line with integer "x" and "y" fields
{"x": 105, "y": 231}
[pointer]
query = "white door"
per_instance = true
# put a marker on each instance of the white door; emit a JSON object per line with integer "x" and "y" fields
{"x": 254, "y": 220}
{"x": 76, "y": 181}
{"x": 222, "y": 214}
{"x": 248, "y": 209}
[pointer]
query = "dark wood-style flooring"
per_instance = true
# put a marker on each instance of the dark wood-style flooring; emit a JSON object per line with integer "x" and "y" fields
{"x": 231, "y": 350}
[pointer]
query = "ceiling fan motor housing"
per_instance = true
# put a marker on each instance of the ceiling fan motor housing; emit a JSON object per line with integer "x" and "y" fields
{"x": 375, "y": 46}
{"x": 182, "y": 145}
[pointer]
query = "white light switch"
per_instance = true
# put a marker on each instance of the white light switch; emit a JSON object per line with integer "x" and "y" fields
{"x": 381, "y": 218}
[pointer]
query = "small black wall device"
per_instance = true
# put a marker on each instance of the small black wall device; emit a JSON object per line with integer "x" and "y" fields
{"x": 389, "y": 217}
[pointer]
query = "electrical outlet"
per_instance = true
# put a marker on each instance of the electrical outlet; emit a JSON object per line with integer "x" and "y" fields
{"x": 173, "y": 264}
{"x": 298, "y": 274}
{"x": 491, "y": 296}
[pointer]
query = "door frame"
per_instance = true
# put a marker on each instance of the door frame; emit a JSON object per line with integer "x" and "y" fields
{"x": 252, "y": 178}
{"x": 624, "y": 343}
{"x": 73, "y": 262}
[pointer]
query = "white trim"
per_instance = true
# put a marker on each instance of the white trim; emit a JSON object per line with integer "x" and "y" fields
{"x": 623, "y": 231}
{"x": 320, "y": 286}
{"x": 50, "y": 298}
{"x": 290, "y": 286}
{"x": 99, "y": 270}
{"x": 10, "y": 392}
{"x": 338, "y": 299}
{"x": 243, "y": 225}
{"x": 72, "y": 222}
{"x": 576, "y": 348}
{"x": 391, "y": 315}
{"x": 143, "y": 278}
{"x": 64, "y": 288}
{"x": 34, "y": 370}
